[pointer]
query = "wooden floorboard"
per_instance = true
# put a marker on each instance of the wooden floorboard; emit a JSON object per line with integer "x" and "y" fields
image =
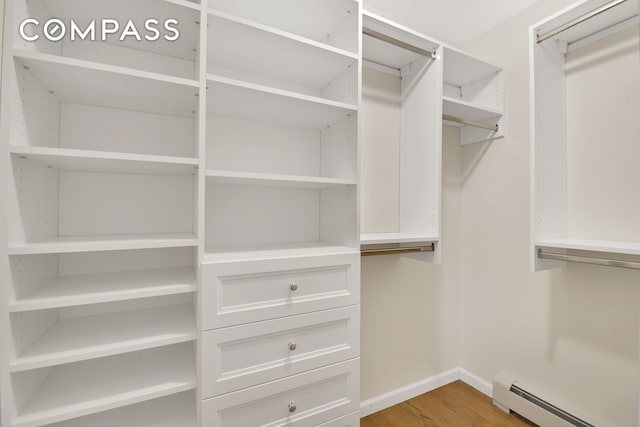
{"x": 454, "y": 405}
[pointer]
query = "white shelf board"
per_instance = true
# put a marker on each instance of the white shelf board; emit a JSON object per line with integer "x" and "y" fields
{"x": 89, "y": 387}
{"x": 216, "y": 254}
{"x": 382, "y": 238}
{"x": 69, "y": 291}
{"x": 242, "y": 100}
{"x": 461, "y": 69}
{"x": 83, "y": 338}
{"x": 105, "y": 243}
{"x": 242, "y": 45}
{"x": 313, "y": 19}
{"x": 92, "y": 83}
{"x": 185, "y": 12}
{"x": 102, "y": 161}
{"x": 383, "y": 53}
{"x": 178, "y": 410}
{"x": 274, "y": 180}
{"x": 466, "y": 110}
{"x": 610, "y": 246}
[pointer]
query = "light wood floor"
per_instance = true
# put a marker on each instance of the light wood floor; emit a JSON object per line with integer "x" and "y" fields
{"x": 456, "y": 404}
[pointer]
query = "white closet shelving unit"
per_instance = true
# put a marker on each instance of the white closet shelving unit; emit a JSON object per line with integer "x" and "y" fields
{"x": 473, "y": 97}
{"x": 550, "y": 233}
{"x": 420, "y": 131}
{"x": 100, "y": 161}
{"x": 279, "y": 305}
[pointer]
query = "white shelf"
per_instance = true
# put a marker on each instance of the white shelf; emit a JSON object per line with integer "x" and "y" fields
{"x": 610, "y": 246}
{"x": 382, "y": 238}
{"x": 172, "y": 411}
{"x": 105, "y": 243}
{"x": 102, "y": 161}
{"x": 92, "y": 83}
{"x": 85, "y": 388}
{"x": 83, "y": 338}
{"x": 467, "y": 110}
{"x": 216, "y": 254}
{"x": 274, "y": 180}
{"x": 461, "y": 69}
{"x": 107, "y": 287}
{"x": 240, "y": 45}
{"x": 185, "y": 12}
{"x": 242, "y": 100}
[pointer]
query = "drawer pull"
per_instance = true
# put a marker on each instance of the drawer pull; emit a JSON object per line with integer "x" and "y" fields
{"x": 292, "y": 407}
{"x": 293, "y": 287}
{"x": 292, "y": 346}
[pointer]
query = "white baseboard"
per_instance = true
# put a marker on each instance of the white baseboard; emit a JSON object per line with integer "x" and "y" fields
{"x": 410, "y": 391}
{"x": 476, "y": 382}
{"x": 407, "y": 392}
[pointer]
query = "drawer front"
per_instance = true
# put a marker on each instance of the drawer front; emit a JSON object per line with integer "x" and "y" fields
{"x": 302, "y": 400}
{"x": 250, "y": 291}
{"x": 351, "y": 420}
{"x": 243, "y": 356}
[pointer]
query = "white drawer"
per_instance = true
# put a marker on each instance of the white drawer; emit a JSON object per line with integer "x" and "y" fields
{"x": 318, "y": 396}
{"x": 243, "y": 356}
{"x": 240, "y": 292}
{"x": 351, "y": 420}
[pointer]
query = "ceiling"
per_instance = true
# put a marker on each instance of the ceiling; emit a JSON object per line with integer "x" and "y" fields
{"x": 453, "y": 21}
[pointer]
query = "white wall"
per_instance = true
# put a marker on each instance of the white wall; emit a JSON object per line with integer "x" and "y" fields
{"x": 571, "y": 334}
{"x": 410, "y": 318}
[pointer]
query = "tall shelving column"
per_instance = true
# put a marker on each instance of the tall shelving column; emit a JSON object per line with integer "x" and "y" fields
{"x": 280, "y": 274}
{"x": 101, "y": 200}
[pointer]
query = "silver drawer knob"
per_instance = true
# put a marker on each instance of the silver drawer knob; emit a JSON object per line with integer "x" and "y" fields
{"x": 292, "y": 407}
{"x": 293, "y": 287}
{"x": 292, "y": 346}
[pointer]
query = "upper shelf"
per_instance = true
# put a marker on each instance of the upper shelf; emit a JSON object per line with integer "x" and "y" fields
{"x": 383, "y": 53}
{"x": 237, "y": 45}
{"x": 88, "y": 387}
{"x": 102, "y": 161}
{"x": 461, "y": 69}
{"x": 92, "y": 83}
{"x": 185, "y": 12}
{"x": 234, "y": 98}
{"x": 324, "y": 21}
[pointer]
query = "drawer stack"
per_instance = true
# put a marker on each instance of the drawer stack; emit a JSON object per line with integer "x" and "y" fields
{"x": 280, "y": 340}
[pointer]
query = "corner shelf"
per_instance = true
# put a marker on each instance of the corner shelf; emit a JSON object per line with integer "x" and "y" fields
{"x": 238, "y": 99}
{"x": 83, "y": 338}
{"x": 105, "y": 243}
{"x": 69, "y": 291}
{"x": 92, "y": 83}
{"x": 170, "y": 411}
{"x": 102, "y": 161}
{"x": 93, "y": 386}
{"x": 275, "y": 180}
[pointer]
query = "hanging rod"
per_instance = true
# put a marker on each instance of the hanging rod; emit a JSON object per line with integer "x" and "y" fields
{"x": 589, "y": 260}
{"x": 470, "y": 122}
{"x": 388, "y": 39}
{"x": 390, "y": 251}
{"x": 542, "y": 37}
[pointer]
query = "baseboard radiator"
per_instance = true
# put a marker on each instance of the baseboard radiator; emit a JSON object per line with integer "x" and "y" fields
{"x": 509, "y": 396}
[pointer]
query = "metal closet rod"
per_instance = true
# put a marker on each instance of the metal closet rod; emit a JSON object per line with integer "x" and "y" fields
{"x": 589, "y": 260}
{"x": 390, "y": 251}
{"x": 542, "y": 37}
{"x": 388, "y": 39}
{"x": 470, "y": 122}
